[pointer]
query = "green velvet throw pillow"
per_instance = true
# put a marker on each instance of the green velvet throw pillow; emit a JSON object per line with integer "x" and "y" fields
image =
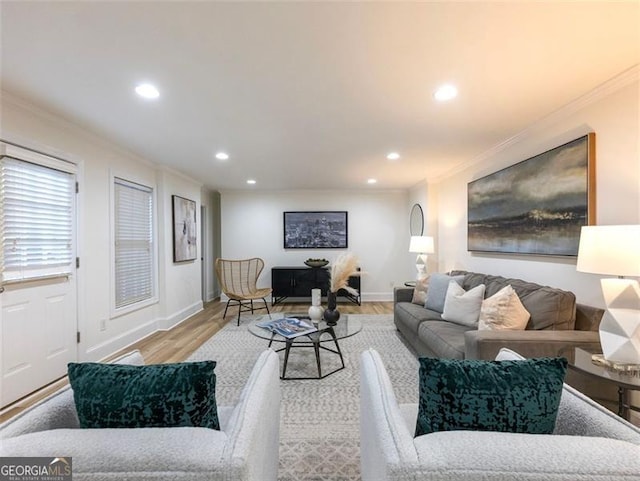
{"x": 157, "y": 395}
{"x": 508, "y": 396}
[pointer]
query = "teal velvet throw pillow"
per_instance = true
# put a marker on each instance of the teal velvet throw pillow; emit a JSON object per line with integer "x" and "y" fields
{"x": 508, "y": 396}
{"x": 158, "y": 395}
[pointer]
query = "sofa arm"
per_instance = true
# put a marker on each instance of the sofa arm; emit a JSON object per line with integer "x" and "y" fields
{"x": 254, "y": 427}
{"x": 57, "y": 411}
{"x": 528, "y": 343}
{"x": 386, "y": 445}
{"x": 402, "y": 294}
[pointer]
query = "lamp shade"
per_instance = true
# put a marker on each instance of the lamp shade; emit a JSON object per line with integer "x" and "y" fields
{"x": 421, "y": 244}
{"x": 610, "y": 249}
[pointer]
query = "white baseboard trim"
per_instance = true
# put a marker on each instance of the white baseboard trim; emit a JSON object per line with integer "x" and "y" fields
{"x": 377, "y": 296}
{"x": 180, "y": 316}
{"x": 122, "y": 341}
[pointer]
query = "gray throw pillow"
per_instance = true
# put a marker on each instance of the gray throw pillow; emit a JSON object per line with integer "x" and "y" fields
{"x": 438, "y": 285}
{"x": 463, "y": 307}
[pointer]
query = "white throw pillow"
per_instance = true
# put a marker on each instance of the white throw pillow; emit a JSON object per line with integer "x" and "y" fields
{"x": 463, "y": 307}
{"x": 503, "y": 311}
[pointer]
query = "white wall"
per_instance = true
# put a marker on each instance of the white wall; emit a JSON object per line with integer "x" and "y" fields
{"x": 179, "y": 294}
{"x": 378, "y": 233}
{"x": 424, "y": 195}
{"x": 180, "y": 285}
{"x": 211, "y": 201}
{"x": 612, "y": 113}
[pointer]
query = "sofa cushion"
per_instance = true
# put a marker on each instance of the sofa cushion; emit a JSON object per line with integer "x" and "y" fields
{"x": 463, "y": 307}
{"x": 160, "y": 395}
{"x": 506, "y": 396}
{"x": 493, "y": 456}
{"x": 438, "y": 286}
{"x": 130, "y": 454}
{"x": 412, "y": 315}
{"x": 503, "y": 311}
{"x": 549, "y": 307}
{"x": 444, "y": 338}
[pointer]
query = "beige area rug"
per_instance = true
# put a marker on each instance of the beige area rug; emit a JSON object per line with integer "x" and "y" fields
{"x": 319, "y": 419}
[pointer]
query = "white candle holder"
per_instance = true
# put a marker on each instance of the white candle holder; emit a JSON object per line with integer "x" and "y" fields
{"x": 315, "y": 311}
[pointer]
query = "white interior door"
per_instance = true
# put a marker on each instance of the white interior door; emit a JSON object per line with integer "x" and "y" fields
{"x": 38, "y": 335}
{"x": 38, "y": 301}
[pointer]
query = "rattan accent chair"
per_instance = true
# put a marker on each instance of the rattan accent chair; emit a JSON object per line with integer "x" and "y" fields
{"x": 238, "y": 280}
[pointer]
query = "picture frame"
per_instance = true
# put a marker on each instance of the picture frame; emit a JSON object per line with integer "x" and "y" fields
{"x": 536, "y": 206}
{"x": 184, "y": 229}
{"x": 316, "y": 230}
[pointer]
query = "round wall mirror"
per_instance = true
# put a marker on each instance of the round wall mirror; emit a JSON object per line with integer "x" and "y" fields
{"x": 416, "y": 220}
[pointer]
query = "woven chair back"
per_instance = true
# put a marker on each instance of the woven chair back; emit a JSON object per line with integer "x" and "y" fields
{"x": 238, "y": 278}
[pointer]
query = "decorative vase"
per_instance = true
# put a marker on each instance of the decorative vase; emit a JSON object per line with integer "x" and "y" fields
{"x": 315, "y": 311}
{"x": 331, "y": 314}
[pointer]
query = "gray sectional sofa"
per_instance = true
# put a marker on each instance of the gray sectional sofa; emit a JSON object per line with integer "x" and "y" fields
{"x": 557, "y": 323}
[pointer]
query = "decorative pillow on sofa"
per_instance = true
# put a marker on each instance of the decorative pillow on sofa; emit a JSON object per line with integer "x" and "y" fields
{"x": 503, "y": 311}
{"x": 420, "y": 291}
{"x": 157, "y": 395}
{"x": 506, "y": 396}
{"x": 438, "y": 286}
{"x": 463, "y": 307}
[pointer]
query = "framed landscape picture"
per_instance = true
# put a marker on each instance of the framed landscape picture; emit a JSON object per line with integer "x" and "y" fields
{"x": 536, "y": 206}
{"x": 315, "y": 230}
{"x": 184, "y": 229}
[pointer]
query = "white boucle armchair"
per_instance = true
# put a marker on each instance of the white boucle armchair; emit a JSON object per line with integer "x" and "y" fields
{"x": 589, "y": 442}
{"x": 245, "y": 448}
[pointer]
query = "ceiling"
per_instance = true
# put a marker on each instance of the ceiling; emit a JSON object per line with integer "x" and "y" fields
{"x": 312, "y": 95}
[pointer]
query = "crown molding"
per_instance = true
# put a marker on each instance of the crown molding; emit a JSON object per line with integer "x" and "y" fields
{"x": 181, "y": 175}
{"x": 90, "y": 135}
{"x": 602, "y": 91}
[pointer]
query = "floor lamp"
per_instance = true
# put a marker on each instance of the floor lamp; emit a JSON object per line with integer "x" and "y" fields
{"x": 422, "y": 245}
{"x": 615, "y": 250}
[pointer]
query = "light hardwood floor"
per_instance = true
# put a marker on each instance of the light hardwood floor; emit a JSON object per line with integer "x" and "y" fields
{"x": 178, "y": 343}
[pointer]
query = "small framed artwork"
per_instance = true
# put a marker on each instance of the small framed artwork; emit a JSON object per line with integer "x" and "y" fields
{"x": 184, "y": 229}
{"x": 536, "y": 206}
{"x": 316, "y": 230}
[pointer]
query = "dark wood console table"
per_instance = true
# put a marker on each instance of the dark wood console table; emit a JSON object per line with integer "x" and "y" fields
{"x": 298, "y": 281}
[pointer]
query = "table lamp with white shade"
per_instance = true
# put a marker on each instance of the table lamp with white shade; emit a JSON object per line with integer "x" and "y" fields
{"x": 615, "y": 250}
{"x": 422, "y": 245}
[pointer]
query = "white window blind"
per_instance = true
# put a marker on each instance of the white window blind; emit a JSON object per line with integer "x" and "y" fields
{"x": 134, "y": 250}
{"x": 37, "y": 217}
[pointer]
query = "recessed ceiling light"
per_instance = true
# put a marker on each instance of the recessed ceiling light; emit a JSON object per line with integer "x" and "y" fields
{"x": 371, "y": 181}
{"x": 222, "y": 156}
{"x": 393, "y": 156}
{"x": 251, "y": 181}
{"x": 147, "y": 91}
{"x": 445, "y": 92}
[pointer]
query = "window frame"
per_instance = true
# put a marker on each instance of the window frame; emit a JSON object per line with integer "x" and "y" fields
{"x": 21, "y": 154}
{"x": 154, "y": 299}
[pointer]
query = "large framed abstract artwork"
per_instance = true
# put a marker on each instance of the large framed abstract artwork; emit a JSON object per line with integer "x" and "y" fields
{"x": 184, "y": 229}
{"x": 316, "y": 230}
{"x": 536, "y": 206}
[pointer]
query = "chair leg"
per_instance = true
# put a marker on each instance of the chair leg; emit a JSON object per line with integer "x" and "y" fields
{"x": 225, "y": 309}
{"x": 239, "y": 311}
{"x": 267, "y": 306}
{"x": 251, "y": 306}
